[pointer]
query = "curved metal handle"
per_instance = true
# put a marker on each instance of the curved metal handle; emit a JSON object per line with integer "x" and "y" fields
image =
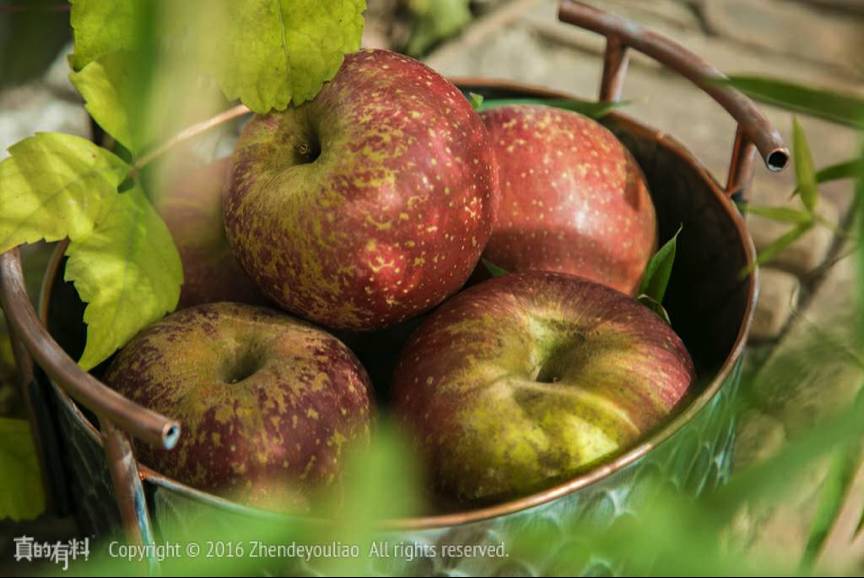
{"x": 142, "y": 423}
{"x": 753, "y": 128}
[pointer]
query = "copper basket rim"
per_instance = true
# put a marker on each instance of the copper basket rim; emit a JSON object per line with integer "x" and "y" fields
{"x": 594, "y": 475}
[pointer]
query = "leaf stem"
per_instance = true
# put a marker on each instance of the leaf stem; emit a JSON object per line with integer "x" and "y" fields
{"x": 188, "y": 133}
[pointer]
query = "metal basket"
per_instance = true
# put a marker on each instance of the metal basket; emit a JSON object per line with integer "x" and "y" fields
{"x": 84, "y": 428}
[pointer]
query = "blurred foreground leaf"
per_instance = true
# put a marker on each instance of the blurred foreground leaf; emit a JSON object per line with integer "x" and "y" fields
{"x": 434, "y": 21}
{"x": 21, "y": 496}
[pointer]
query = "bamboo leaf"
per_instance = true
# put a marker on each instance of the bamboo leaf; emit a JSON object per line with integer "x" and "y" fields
{"x": 827, "y": 104}
{"x": 659, "y": 270}
{"x": 781, "y": 214}
{"x": 771, "y": 251}
{"x": 805, "y": 175}
{"x": 493, "y": 269}
{"x": 853, "y": 169}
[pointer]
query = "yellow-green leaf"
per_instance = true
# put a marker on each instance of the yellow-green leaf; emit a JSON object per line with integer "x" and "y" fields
{"x": 21, "y": 495}
{"x": 128, "y": 272}
{"x": 106, "y": 85}
{"x": 100, "y": 28}
{"x": 277, "y": 52}
{"x": 805, "y": 174}
{"x": 54, "y": 186}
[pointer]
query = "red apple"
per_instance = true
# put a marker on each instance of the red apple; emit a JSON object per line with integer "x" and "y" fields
{"x": 573, "y": 199}
{"x": 529, "y": 378}
{"x": 370, "y": 203}
{"x": 191, "y": 205}
{"x": 267, "y": 403}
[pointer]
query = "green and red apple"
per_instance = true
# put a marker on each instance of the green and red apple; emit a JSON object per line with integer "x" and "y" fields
{"x": 369, "y": 204}
{"x": 573, "y": 199}
{"x": 268, "y": 404}
{"x": 532, "y": 377}
{"x": 190, "y": 203}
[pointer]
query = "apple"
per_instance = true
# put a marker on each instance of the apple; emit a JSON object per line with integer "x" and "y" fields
{"x": 573, "y": 199}
{"x": 529, "y": 378}
{"x": 190, "y": 203}
{"x": 370, "y": 203}
{"x": 267, "y": 403}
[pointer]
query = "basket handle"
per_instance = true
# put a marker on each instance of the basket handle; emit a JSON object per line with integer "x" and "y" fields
{"x": 140, "y": 422}
{"x": 754, "y": 132}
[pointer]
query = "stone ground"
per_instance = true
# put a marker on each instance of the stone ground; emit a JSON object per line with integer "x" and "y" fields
{"x": 806, "y": 292}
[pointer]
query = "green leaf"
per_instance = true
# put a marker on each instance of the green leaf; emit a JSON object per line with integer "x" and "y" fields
{"x": 127, "y": 271}
{"x": 476, "y": 100}
{"x": 805, "y": 175}
{"x": 590, "y": 109}
{"x": 654, "y": 306}
{"x": 54, "y": 185}
{"x": 659, "y": 270}
{"x": 771, "y": 251}
{"x": 781, "y": 214}
{"x": 106, "y": 85}
{"x": 21, "y": 496}
{"x": 100, "y": 28}
{"x": 846, "y": 170}
{"x": 492, "y": 268}
{"x": 277, "y": 52}
{"x": 830, "y": 105}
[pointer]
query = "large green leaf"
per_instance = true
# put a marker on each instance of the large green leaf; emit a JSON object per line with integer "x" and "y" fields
{"x": 277, "y": 52}
{"x": 107, "y": 88}
{"x": 54, "y": 185}
{"x": 21, "y": 495}
{"x": 128, "y": 272}
{"x": 827, "y": 104}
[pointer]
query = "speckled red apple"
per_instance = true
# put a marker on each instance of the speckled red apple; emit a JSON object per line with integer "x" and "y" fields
{"x": 268, "y": 404}
{"x": 369, "y": 204}
{"x": 573, "y": 199}
{"x": 529, "y": 378}
{"x": 191, "y": 205}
